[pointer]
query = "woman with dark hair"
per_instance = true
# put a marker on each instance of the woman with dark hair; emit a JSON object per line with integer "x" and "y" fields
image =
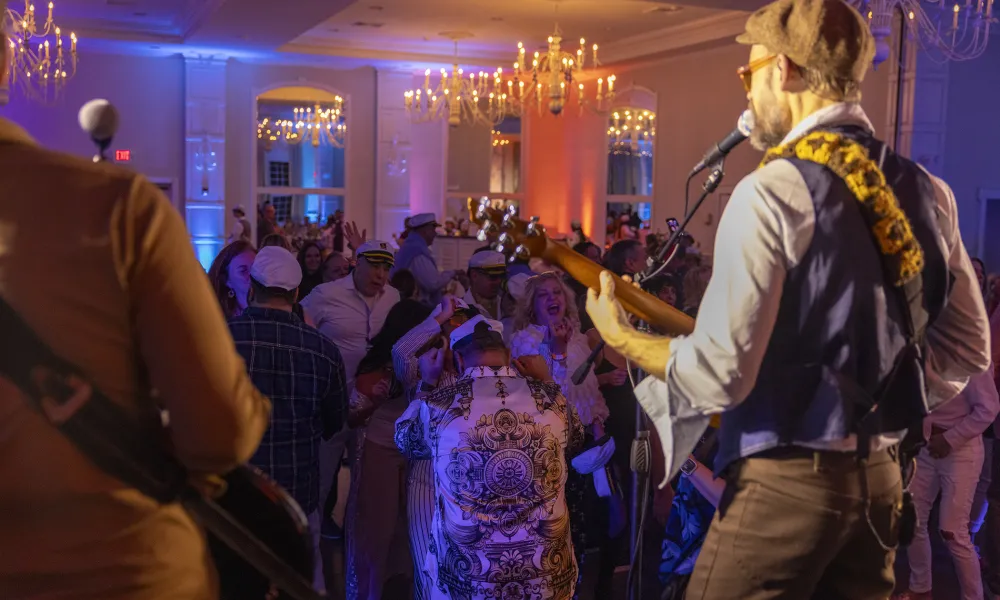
{"x": 311, "y": 261}
{"x": 230, "y": 276}
{"x": 376, "y": 504}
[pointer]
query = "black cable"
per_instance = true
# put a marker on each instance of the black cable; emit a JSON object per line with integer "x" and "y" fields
{"x": 687, "y": 192}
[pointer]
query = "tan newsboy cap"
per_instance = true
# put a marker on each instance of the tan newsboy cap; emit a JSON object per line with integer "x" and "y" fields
{"x": 825, "y": 35}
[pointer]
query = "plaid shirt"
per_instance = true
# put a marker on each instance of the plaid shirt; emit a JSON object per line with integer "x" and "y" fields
{"x": 303, "y": 374}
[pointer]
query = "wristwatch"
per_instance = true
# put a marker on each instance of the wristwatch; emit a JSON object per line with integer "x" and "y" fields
{"x": 689, "y": 466}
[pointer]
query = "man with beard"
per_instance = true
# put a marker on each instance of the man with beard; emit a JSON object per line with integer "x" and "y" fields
{"x": 835, "y": 261}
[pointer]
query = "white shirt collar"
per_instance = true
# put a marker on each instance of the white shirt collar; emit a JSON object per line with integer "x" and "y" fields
{"x": 842, "y": 113}
{"x": 479, "y": 372}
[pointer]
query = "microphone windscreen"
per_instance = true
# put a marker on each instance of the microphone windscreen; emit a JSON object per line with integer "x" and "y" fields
{"x": 99, "y": 119}
{"x": 746, "y": 122}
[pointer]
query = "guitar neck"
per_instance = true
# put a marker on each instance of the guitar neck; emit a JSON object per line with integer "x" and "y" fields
{"x": 647, "y": 307}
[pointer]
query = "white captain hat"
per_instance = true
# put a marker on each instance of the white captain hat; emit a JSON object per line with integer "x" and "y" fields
{"x": 421, "y": 219}
{"x": 469, "y": 327}
{"x": 275, "y": 267}
{"x": 491, "y": 261}
{"x": 377, "y": 252}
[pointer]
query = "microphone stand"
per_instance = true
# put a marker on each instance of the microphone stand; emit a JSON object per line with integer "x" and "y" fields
{"x": 102, "y": 147}
{"x": 641, "y": 451}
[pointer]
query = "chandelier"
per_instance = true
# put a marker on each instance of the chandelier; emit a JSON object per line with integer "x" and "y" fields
{"x": 946, "y": 31}
{"x": 629, "y": 126}
{"x": 555, "y": 76}
{"x": 319, "y": 124}
{"x": 499, "y": 138}
{"x": 477, "y": 98}
{"x": 38, "y": 66}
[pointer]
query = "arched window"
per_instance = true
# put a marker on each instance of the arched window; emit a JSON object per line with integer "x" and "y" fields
{"x": 301, "y": 163}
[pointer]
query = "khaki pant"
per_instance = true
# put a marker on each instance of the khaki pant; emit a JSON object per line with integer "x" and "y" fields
{"x": 791, "y": 525}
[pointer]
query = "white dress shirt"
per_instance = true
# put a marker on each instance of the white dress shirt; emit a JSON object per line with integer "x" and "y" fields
{"x": 968, "y": 414}
{"x": 342, "y": 314}
{"x": 765, "y": 231}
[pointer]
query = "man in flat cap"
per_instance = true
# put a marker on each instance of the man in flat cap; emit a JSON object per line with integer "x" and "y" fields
{"x": 415, "y": 256}
{"x": 303, "y": 374}
{"x": 838, "y": 263}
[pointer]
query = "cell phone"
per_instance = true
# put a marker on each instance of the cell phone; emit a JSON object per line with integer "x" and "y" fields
{"x": 673, "y": 224}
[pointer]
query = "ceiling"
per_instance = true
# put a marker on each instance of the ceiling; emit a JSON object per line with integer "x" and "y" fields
{"x": 402, "y": 33}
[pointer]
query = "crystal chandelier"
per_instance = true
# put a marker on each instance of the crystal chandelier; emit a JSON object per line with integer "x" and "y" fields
{"x": 554, "y": 77}
{"x": 629, "y": 126}
{"x": 38, "y": 66}
{"x": 946, "y": 31}
{"x": 319, "y": 124}
{"x": 478, "y": 98}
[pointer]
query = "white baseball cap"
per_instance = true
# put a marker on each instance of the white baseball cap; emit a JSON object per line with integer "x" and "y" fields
{"x": 459, "y": 304}
{"x": 516, "y": 285}
{"x": 275, "y": 267}
{"x": 469, "y": 327}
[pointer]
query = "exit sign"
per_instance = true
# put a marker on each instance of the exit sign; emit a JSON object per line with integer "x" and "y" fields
{"x": 123, "y": 155}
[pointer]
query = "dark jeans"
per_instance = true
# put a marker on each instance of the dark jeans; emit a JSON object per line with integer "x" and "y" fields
{"x": 792, "y": 526}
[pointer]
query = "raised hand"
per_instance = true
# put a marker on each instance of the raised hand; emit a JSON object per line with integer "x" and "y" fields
{"x": 432, "y": 364}
{"x": 533, "y": 366}
{"x": 353, "y": 237}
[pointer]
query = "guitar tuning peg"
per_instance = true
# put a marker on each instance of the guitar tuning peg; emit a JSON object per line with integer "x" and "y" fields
{"x": 502, "y": 242}
{"x": 520, "y": 253}
{"x": 484, "y": 204}
{"x": 533, "y": 227}
{"x": 512, "y": 210}
{"x": 485, "y": 231}
{"x": 508, "y": 220}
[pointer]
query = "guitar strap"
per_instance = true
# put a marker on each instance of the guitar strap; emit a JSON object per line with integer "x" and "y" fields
{"x": 120, "y": 445}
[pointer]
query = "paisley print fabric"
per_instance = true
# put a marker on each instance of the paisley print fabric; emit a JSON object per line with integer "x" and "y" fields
{"x": 500, "y": 531}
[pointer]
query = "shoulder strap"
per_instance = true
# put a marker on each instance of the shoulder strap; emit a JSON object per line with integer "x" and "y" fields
{"x": 113, "y": 440}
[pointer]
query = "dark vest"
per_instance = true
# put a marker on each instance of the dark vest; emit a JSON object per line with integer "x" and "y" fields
{"x": 840, "y": 328}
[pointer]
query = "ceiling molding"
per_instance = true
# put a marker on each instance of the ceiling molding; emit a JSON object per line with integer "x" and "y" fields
{"x": 101, "y": 34}
{"x": 729, "y": 24}
{"x": 198, "y": 13}
{"x": 401, "y": 54}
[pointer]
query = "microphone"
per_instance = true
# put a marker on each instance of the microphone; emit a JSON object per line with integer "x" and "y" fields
{"x": 99, "y": 119}
{"x": 736, "y": 137}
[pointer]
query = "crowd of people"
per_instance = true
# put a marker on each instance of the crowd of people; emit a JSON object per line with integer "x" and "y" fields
{"x": 379, "y": 358}
{"x": 448, "y": 493}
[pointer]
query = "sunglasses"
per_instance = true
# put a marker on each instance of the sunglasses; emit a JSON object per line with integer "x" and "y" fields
{"x": 746, "y": 71}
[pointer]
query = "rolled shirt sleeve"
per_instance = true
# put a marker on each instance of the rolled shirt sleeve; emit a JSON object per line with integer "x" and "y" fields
{"x": 765, "y": 230}
{"x": 958, "y": 342}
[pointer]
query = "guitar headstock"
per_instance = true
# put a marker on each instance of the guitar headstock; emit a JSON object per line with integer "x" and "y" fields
{"x": 525, "y": 238}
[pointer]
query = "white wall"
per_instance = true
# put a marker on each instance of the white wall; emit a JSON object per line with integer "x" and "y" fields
{"x": 149, "y": 95}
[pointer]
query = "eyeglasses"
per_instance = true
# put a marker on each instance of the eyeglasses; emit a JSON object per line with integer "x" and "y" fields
{"x": 746, "y": 71}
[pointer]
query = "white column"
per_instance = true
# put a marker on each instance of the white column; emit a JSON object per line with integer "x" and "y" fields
{"x": 205, "y": 153}
{"x": 392, "y": 154}
{"x": 923, "y": 109}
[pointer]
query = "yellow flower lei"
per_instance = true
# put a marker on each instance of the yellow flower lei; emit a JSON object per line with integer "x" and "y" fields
{"x": 902, "y": 256}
